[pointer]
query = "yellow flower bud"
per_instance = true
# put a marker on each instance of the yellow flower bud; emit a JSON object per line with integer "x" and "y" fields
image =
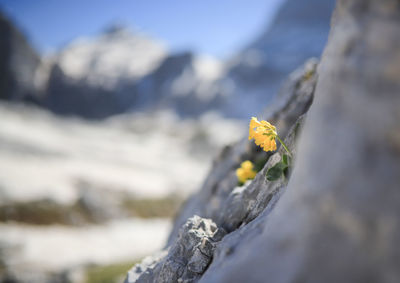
{"x": 245, "y": 172}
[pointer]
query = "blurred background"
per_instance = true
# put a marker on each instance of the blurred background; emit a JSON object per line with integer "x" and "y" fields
{"x": 111, "y": 113}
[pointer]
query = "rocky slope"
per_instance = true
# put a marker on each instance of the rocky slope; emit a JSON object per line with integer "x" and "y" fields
{"x": 335, "y": 219}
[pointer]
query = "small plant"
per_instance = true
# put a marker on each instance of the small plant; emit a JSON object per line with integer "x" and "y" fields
{"x": 265, "y": 135}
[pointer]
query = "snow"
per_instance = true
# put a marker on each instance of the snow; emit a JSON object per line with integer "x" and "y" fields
{"x": 208, "y": 68}
{"x": 146, "y": 155}
{"x": 105, "y": 60}
{"x": 199, "y": 78}
{"x": 56, "y": 248}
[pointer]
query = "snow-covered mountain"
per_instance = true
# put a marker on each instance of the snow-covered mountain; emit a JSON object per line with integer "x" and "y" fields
{"x": 122, "y": 70}
{"x": 96, "y": 77}
{"x": 117, "y": 54}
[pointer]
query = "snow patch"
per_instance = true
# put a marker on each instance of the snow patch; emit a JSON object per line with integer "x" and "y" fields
{"x": 56, "y": 248}
{"x": 105, "y": 60}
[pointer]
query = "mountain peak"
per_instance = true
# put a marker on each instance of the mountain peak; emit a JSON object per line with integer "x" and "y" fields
{"x": 118, "y": 53}
{"x": 116, "y": 28}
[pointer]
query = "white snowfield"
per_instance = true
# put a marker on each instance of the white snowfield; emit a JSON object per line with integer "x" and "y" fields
{"x": 56, "y": 248}
{"x": 148, "y": 155}
{"x": 43, "y": 156}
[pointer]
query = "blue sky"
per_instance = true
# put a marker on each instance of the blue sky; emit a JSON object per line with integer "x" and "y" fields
{"x": 219, "y": 27}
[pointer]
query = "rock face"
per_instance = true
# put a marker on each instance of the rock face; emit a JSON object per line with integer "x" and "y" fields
{"x": 336, "y": 218}
{"x": 18, "y": 63}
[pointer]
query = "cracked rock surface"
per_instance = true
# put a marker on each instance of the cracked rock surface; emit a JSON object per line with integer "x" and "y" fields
{"x": 186, "y": 259}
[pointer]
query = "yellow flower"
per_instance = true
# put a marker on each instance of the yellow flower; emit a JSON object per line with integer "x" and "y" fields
{"x": 263, "y": 133}
{"x": 245, "y": 172}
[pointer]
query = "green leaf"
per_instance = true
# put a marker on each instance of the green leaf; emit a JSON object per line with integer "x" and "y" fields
{"x": 286, "y": 159}
{"x": 276, "y": 171}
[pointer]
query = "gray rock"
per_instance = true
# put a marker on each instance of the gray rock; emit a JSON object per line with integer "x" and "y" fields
{"x": 338, "y": 219}
{"x": 145, "y": 271}
{"x": 186, "y": 259}
{"x": 254, "y": 203}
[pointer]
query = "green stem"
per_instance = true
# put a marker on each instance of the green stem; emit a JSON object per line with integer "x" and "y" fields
{"x": 284, "y": 145}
